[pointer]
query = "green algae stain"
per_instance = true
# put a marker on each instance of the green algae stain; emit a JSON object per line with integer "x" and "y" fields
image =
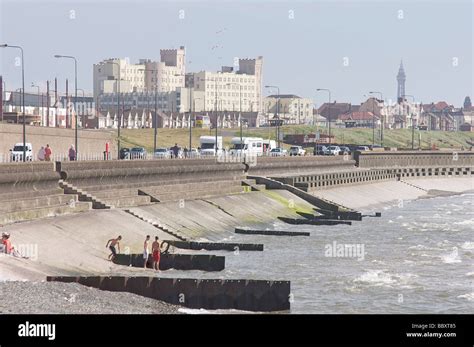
{"x": 290, "y": 205}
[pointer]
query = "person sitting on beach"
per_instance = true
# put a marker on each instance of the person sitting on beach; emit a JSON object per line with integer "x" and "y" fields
{"x": 146, "y": 251}
{"x": 155, "y": 250}
{"x": 113, "y": 243}
{"x": 7, "y": 245}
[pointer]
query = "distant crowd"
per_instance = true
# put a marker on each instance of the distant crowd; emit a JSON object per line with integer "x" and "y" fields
{"x": 45, "y": 153}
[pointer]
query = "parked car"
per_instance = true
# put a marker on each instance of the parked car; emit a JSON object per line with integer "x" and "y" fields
{"x": 138, "y": 153}
{"x": 193, "y": 153}
{"x": 344, "y": 150}
{"x": 278, "y": 152}
{"x": 297, "y": 150}
{"x": 16, "y": 154}
{"x": 362, "y": 148}
{"x": 333, "y": 150}
{"x": 125, "y": 153}
{"x": 162, "y": 153}
{"x": 320, "y": 150}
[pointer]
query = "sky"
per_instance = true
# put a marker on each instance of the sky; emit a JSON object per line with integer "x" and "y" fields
{"x": 350, "y": 47}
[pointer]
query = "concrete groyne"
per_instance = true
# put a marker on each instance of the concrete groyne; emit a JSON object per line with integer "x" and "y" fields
{"x": 247, "y": 295}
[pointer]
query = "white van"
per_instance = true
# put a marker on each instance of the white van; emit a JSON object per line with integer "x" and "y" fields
{"x": 248, "y": 145}
{"x": 208, "y": 145}
{"x": 268, "y": 145}
{"x": 16, "y": 154}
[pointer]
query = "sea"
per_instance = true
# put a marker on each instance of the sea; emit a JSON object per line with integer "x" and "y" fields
{"x": 418, "y": 257}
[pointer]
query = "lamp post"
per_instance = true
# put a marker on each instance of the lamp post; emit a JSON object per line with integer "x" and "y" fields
{"x": 412, "y": 124}
{"x": 240, "y": 107}
{"x": 382, "y": 125}
{"x": 277, "y": 113}
{"x": 23, "y": 93}
{"x": 75, "y": 97}
{"x": 329, "y": 111}
{"x": 155, "y": 122}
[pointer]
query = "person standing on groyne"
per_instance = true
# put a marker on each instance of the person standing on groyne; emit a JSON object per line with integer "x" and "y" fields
{"x": 113, "y": 243}
{"x": 155, "y": 251}
{"x": 146, "y": 251}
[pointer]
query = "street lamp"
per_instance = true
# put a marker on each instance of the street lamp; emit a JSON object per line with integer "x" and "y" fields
{"x": 381, "y": 116}
{"x": 329, "y": 111}
{"x": 277, "y": 112}
{"x": 23, "y": 93}
{"x": 75, "y": 97}
{"x": 155, "y": 123}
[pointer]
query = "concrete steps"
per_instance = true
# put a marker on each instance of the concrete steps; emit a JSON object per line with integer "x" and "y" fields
{"x": 252, "y": 184}
{"x": 83, "y": 195}
{"x": 43, "y": 212}
{"x": 38, "y": 202}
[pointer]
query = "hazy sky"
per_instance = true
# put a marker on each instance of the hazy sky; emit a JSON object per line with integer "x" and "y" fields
{"x": 351, "y": 47}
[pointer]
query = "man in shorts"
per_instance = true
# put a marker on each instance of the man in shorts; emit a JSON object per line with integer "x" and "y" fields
{"x": 155, "y": 249}
{"x": 113, "y": 243}
{"x": 146, "y": 251}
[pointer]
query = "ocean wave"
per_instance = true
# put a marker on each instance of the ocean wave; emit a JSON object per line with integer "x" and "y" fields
{"x": 465, "y": 222}
{"x": 468, "y": 296}
{"x": 468, "y": 245}
{"x": 376, "y": 277}
{"x": 382, "y": 278}
{"x": 452, "y": 257}
{"x": 470, "y": 274}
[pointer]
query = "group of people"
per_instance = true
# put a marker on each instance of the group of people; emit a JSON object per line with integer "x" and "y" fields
{"x": 114, "y": 245}
{"x": 44, "y": 153}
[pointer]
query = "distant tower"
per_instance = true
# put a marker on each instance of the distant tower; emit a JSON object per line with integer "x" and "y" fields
{"x": 467, "y": 103}
{"x": 401, "y": 78}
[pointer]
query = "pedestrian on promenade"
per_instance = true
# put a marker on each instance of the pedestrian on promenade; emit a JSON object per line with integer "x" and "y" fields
{"x": 41, "y": 154}
{"x": 146, "y": 251}
{"x": 113, "y": 243}
{"x": 72, "y": 153}
{"x": 155, "y": 250}
{"x": 47, "y": 153}
{"x": 175, "y": 150}
{"x": 185, "y": 152}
